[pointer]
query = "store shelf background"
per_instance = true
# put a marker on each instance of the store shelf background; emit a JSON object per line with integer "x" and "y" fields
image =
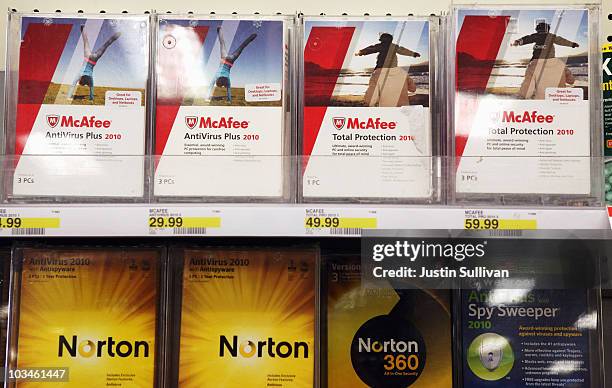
{"x": 354, "y": 7}
{"x": 76, "y": 221}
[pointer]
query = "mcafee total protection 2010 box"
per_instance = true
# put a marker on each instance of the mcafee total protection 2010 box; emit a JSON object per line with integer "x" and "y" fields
{"x": 526, "y": 98}
{"x": 368, "y": 132}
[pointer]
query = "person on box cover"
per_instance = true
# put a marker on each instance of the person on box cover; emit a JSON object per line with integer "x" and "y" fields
{"x": 544, "y": 69}
{"x": 85, "y": 77}
{"x": 387, "y": 52}
{"x": 222, "y": 77}
{"x": 389, "y": 84}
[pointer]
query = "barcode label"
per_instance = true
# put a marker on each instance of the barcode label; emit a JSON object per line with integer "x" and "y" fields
{"x": 345, "y": 231}
{"x": 505, "y": 233}
{"x": 28, "y": 231}
{"x": 192, "y": 230}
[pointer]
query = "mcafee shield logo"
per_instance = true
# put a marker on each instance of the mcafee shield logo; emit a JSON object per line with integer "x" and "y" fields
{"x": 494, "y": 117}
{"x": 52, "y": 120}
{"x": 339, "y": 122}
{"x": 191, "y": 121}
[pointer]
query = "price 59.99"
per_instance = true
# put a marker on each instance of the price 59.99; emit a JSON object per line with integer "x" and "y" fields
{"x": 481, "y": 223}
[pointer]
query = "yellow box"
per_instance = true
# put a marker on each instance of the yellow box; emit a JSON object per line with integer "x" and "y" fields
{"x": 94, "y": 311}
{"x": 247, "y": 318}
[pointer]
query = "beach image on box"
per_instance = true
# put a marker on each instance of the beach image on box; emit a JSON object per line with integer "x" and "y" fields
{"x": 220, "y": 62}
{"x": 530, "y": 51}
{"x": 385, "y": 63}
{"x": 98, "y": 55}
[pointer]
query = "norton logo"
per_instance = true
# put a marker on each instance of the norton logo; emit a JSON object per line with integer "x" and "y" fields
{"x": 339, "y": 122}
{"x": 249, "y": 348}
{"x": 526, "y": 117}
{"x": 191, "y": 121}
{"x": 208, "y": 122}
{"x": 111, "y": 348}
{"x": 391, "y": 345}
{"x": 52, "y": 120}
{"x": 389, "y": 348}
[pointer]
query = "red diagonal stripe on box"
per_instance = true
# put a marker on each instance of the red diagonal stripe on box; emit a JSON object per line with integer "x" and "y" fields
{"x": 173, "y": 78}
{"x": 39, "y": 54}
{"x": 324, "y": 55}
{"x": 477, "y": 48}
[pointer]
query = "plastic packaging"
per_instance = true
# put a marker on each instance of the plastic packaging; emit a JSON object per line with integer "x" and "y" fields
{"x": 76, "y": 99}
{"x": 224, "y": 108}
{"x": 526, "y": 105}
{"x": 370, "y": 128}
{"x": 97, "y": 313}
{"x": 384, "y": 336}
{"x": 244, "y": 317}
{"x": 529, "y": 338}
{"x": 5, "y": 276}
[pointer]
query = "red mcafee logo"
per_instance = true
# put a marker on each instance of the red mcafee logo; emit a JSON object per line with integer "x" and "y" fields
{"x": 609, "y": 143}
{"x": 223, "y": 122}
{"x": 77, "y": 122}
{"x": 83, "y": 122}
{"x": 339, "y": 122}
{"x": 191, "y": 121}
{"x": 377, "y": 123}
{"x": 526, "y": 117}
{"x": 52, "y": 120}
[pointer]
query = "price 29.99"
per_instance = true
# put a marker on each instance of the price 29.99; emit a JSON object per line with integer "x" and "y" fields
{"x": 165, "y": 222}
{"x": 10, "y": 222}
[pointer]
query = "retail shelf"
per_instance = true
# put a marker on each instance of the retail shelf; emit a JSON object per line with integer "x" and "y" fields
{"x": 276, "y": 220}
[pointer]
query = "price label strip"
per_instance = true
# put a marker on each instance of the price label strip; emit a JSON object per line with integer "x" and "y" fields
{"x": 28, "y": 226}
{"x": 340, "y": 225}
{"x": 165, "y": 222}
{"x": 501, "y": 224}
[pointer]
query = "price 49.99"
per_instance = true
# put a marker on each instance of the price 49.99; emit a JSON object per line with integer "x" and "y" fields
{"x": 322, "y": 222}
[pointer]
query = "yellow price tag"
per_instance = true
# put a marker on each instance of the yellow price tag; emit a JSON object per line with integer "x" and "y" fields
{"x": 499, "y": 224}
{"x": 201, "y": 222}
{"x": 184, "y": 222}
{"x": 31, "y": 222}
{"x": 341, "y": 222}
